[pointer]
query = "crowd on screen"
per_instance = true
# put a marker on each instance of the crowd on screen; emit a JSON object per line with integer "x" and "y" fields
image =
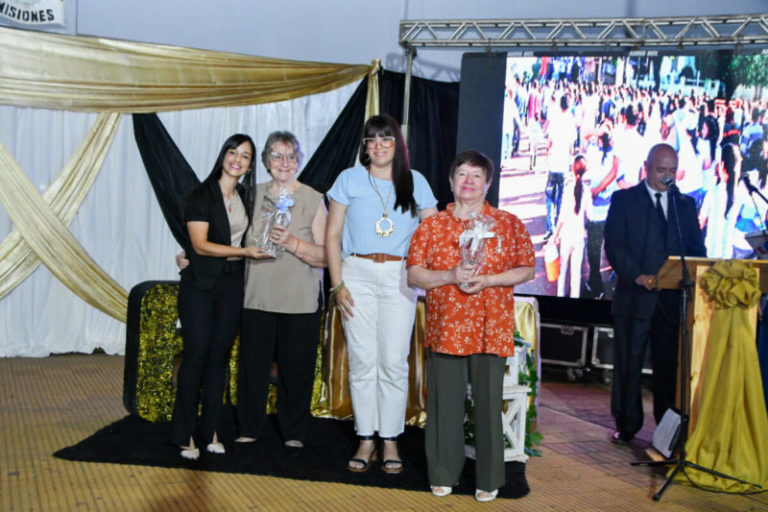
{"x": 595, "y": 137}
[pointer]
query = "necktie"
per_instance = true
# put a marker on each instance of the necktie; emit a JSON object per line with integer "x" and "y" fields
{"x": 659, "y": 208}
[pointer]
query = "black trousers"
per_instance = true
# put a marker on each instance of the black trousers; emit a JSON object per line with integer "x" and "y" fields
{"x": 554, "y": 196}
{"x": 292, "y": 340}
{"x": 594, "y": 255}
{"x": 729, "y": 159}
{"x": 631, "y": 336}
{"x": 209, "y": 322}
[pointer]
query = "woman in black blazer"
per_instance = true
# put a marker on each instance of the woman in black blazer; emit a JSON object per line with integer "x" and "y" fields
{"x": 217, "y": 214}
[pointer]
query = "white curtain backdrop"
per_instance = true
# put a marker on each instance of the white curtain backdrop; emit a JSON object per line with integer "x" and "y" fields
{"x": 120, "y": 223}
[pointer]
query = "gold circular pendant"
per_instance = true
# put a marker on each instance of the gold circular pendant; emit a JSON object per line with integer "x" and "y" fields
{"x": 385, "y": 226}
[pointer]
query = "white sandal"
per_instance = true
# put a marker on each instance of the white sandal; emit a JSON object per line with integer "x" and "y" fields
{"x": 215, "y": 448}
{"x": 485, "y": 496}
{"x": 190, "y": 453}
{"x": 440, "y": 490}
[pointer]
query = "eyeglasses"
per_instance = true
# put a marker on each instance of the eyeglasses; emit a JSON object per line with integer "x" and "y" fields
{"x": 385, "y": 142}
{"x": 291, "y": 158}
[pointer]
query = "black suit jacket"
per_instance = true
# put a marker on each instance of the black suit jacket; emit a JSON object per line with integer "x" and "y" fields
{"x": 206, "y": 203}
{"x": 636, "y": 242}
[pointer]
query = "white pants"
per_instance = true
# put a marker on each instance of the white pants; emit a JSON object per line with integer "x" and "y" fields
{"x": 571, "y": 258}
{"x": 378, "y": 342}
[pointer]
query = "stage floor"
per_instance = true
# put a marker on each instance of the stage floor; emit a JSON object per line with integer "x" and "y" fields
{"x": 50, "y": 403}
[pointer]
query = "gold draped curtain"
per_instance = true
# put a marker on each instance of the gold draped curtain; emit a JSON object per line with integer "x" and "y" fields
{"x": 730, "y": 434}
{"x": 97, "y": 75}
{"x": 52, "y": 71}
{"x": 333, "y": 400}
{"x": 41, "y": 222}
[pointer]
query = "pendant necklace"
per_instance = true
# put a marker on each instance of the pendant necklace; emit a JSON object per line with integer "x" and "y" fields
{"x": 384, "y": 226}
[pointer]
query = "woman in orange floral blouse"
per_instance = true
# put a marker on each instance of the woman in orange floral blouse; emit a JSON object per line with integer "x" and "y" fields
{"x": 470, "y": 322}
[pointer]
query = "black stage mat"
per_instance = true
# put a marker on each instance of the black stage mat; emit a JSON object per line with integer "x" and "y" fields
{"x": 327, "y": 449}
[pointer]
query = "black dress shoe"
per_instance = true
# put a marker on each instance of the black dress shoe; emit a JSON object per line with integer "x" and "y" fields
{"x": 621, "y": 438}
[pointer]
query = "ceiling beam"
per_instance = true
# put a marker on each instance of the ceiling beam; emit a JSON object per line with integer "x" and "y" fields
{"x": 608, "y": 33}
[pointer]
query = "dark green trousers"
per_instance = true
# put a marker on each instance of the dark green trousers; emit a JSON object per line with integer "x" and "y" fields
{"x": 444, "y": 436}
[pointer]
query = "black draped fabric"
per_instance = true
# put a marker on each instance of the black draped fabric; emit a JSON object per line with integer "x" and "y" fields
{"x": 432, "y": 125}
{"x": 338, "y": 150}
{"x": 431, "y": 132}
{"x": 324, "y": 457}
{"x": 169, "y": 173}
{"x": 432, "y": 144}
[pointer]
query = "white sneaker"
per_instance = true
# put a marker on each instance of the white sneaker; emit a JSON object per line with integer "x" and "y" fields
{"x": 485, "y": 496}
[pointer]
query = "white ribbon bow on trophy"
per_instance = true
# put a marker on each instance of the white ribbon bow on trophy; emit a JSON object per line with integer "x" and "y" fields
{"x": 481, "y": 230}
{"x": 471, "y": 243}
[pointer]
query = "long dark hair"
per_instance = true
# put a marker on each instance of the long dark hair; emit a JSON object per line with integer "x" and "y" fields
{"x": 579, "y": 168}
{"x": 247, "y": 183}
{"x": 384, "y": 126}
{"x": 605, "y": 138}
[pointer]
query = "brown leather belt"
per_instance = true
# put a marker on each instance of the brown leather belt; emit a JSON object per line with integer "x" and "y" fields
{"x": 378, "y": 257}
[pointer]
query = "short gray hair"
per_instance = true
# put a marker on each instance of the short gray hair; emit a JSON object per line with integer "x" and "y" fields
{"x": 285, "y": 137}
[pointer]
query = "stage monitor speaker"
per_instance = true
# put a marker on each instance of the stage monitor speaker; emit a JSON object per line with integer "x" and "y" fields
{"x": 602, "y": 350}
{"x": 564, "y": 345}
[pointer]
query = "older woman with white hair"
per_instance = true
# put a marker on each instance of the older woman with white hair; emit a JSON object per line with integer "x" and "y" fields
{"x": 283, "y": 299}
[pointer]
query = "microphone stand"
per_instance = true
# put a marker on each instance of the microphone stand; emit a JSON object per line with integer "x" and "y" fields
{"x": 685, "y": 285}
{"x": 754, "y": 190}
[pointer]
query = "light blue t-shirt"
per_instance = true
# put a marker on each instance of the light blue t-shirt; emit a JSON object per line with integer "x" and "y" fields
{"x": 354, "y": 188}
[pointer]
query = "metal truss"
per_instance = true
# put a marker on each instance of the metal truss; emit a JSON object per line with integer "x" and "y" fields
{"x": 607, "y": 33}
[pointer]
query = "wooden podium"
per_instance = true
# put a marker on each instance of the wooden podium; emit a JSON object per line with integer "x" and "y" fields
{"x": 699, "y": 316}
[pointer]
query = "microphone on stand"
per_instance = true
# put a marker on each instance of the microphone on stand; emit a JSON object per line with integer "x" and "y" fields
{"x": 747, "y": 183}
{"x": 669, "y": 181}
{"x": 762, "y": 233}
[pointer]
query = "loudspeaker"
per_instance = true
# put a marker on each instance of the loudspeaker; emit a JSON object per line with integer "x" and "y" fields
{"x": 602, "y": 350}
{"x": 564, "y": 345}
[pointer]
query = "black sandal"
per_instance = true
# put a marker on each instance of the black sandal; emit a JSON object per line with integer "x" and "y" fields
{"x": 364, "y": 463}
{"x": 391, "y": 466}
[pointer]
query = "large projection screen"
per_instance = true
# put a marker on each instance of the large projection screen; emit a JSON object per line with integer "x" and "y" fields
{"x": 575, "y": 128}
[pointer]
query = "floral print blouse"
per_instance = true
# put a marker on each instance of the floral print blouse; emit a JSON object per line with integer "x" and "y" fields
{"x": 459, "y": 323}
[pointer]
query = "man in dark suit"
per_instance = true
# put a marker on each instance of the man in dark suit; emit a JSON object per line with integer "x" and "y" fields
{"x": 641, "y": 231}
